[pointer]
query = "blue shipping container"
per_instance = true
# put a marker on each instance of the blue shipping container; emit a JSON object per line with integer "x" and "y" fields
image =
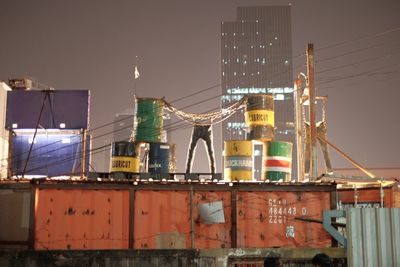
{"x": 51, "y": 155}
{"x": 63, "y": 109}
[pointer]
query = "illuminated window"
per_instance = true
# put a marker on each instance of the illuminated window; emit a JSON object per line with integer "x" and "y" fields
{"x": 279, "y": 97}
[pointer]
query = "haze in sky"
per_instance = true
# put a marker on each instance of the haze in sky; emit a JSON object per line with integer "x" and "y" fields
{"x": 93, "y": 45}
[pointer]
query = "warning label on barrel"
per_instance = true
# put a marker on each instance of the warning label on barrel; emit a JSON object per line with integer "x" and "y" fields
{"x": 259, "y": 117}
{"x": 124, "y": 164}
{"x": 238, "y": 163}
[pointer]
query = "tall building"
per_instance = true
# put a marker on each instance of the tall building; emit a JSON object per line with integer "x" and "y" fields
{"x": 256, "y": 57}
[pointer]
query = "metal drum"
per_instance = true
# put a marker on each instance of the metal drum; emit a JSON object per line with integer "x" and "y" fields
{"x": 159, "y": 158}
{"x": 259, "y": 117}
{"x": 277, "y": 162}
{"x": 148, "y": 125}
{"x": 238, "y": 160}
{"x": 124, "y": 159}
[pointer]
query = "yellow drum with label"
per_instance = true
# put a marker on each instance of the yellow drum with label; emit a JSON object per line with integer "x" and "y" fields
{"x": 124, "y": 158}
{"x": 238, "y": 160}
{"x": 260, "y": 117}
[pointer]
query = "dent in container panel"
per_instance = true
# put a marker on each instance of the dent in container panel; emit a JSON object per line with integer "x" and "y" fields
{"x": 81, "y": 219}
{"x": 213, "y": 235}
{"x": 267, "y": 219}
{"x": 162, "y": 219}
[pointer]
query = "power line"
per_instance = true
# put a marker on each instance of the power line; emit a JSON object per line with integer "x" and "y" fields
{"x": 209, "y": 88}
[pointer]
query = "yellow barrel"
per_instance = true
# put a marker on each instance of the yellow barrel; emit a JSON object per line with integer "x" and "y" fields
{"x": 260, "y": 117}
{"x": 238, "y": 160}
{"x": 124, "y": 158}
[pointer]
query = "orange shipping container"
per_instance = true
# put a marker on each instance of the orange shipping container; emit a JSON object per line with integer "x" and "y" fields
{"x": 161, "y": 219}
{"x": 370, "y": 197}
{"x": 217, "y": 232}
{"x": 267, "y": 219}
{"x": 81, "y": 219}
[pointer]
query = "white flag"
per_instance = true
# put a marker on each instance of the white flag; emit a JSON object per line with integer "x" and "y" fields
{"x": 137, "y": 74}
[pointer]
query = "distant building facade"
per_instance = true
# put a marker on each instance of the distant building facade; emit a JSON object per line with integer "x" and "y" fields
{"x": 123, "y": 125}
{"x": 256, "y": 57}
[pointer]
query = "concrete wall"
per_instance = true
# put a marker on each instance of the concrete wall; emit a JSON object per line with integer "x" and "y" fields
{"x": 166, "y": 258}
{"x": 3, "y": 132}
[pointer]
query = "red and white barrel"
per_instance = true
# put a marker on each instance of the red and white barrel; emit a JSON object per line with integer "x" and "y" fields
{"x": 277, "y": 161}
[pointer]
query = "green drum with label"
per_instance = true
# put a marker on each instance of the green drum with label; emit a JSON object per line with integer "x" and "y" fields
{"x": 260, "y": 117}
{"x": 238, "y": 160}
{"x": 124, "y": 159}
{"x": 277, "y": 161}
{"x": 148, "y": 123}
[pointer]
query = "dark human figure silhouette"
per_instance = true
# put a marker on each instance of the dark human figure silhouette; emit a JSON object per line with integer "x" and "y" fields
{"x": 201, "y": 132}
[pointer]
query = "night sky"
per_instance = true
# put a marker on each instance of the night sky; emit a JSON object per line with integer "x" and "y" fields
{"x": 93, "y": 44}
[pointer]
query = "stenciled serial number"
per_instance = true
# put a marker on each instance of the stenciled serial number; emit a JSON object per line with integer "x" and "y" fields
{"x": 278, "y": 211}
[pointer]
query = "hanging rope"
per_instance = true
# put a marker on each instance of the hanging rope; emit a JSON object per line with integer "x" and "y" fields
{"x": 207, "y": 118}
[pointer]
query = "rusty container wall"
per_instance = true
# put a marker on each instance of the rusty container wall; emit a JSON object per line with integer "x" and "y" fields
{"x": 81, "y": 219}
{"x": 15, "y": 217}
{"x": 212, "y": 229}
{"x": 366, "y": 197}
{"x": 162, "y": 219}
{"x": 396, "y": 196}
{"x": 267, "y": 219}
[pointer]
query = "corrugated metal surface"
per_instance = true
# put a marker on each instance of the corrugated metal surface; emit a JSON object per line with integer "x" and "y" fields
{"x": 15, "y": 217}
{"x": 373, "y": 237}
{"x": 267, "y": 219}
{"x": 162, "y": 219}
{"x": 81, "y": 219}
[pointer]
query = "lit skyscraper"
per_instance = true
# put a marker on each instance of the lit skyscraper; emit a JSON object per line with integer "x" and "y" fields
{"x": 256, "y": 57}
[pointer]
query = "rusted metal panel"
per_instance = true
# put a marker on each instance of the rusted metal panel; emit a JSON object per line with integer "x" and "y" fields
{"x": 267, "y": 219}
{"x": 81, "y": 219}
{"x": 396, "y": 196}
{"x": 365, "y": 197}
{"x": 162, "y": 219}
{"x": 209, "y": 234}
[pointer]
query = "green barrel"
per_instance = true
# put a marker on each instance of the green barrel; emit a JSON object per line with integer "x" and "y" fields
{"x": 148, "y": 126}
{"x": 277, "y": 161}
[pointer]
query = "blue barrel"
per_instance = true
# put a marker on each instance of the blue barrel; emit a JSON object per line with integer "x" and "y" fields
{"x": 159, "y": 158}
